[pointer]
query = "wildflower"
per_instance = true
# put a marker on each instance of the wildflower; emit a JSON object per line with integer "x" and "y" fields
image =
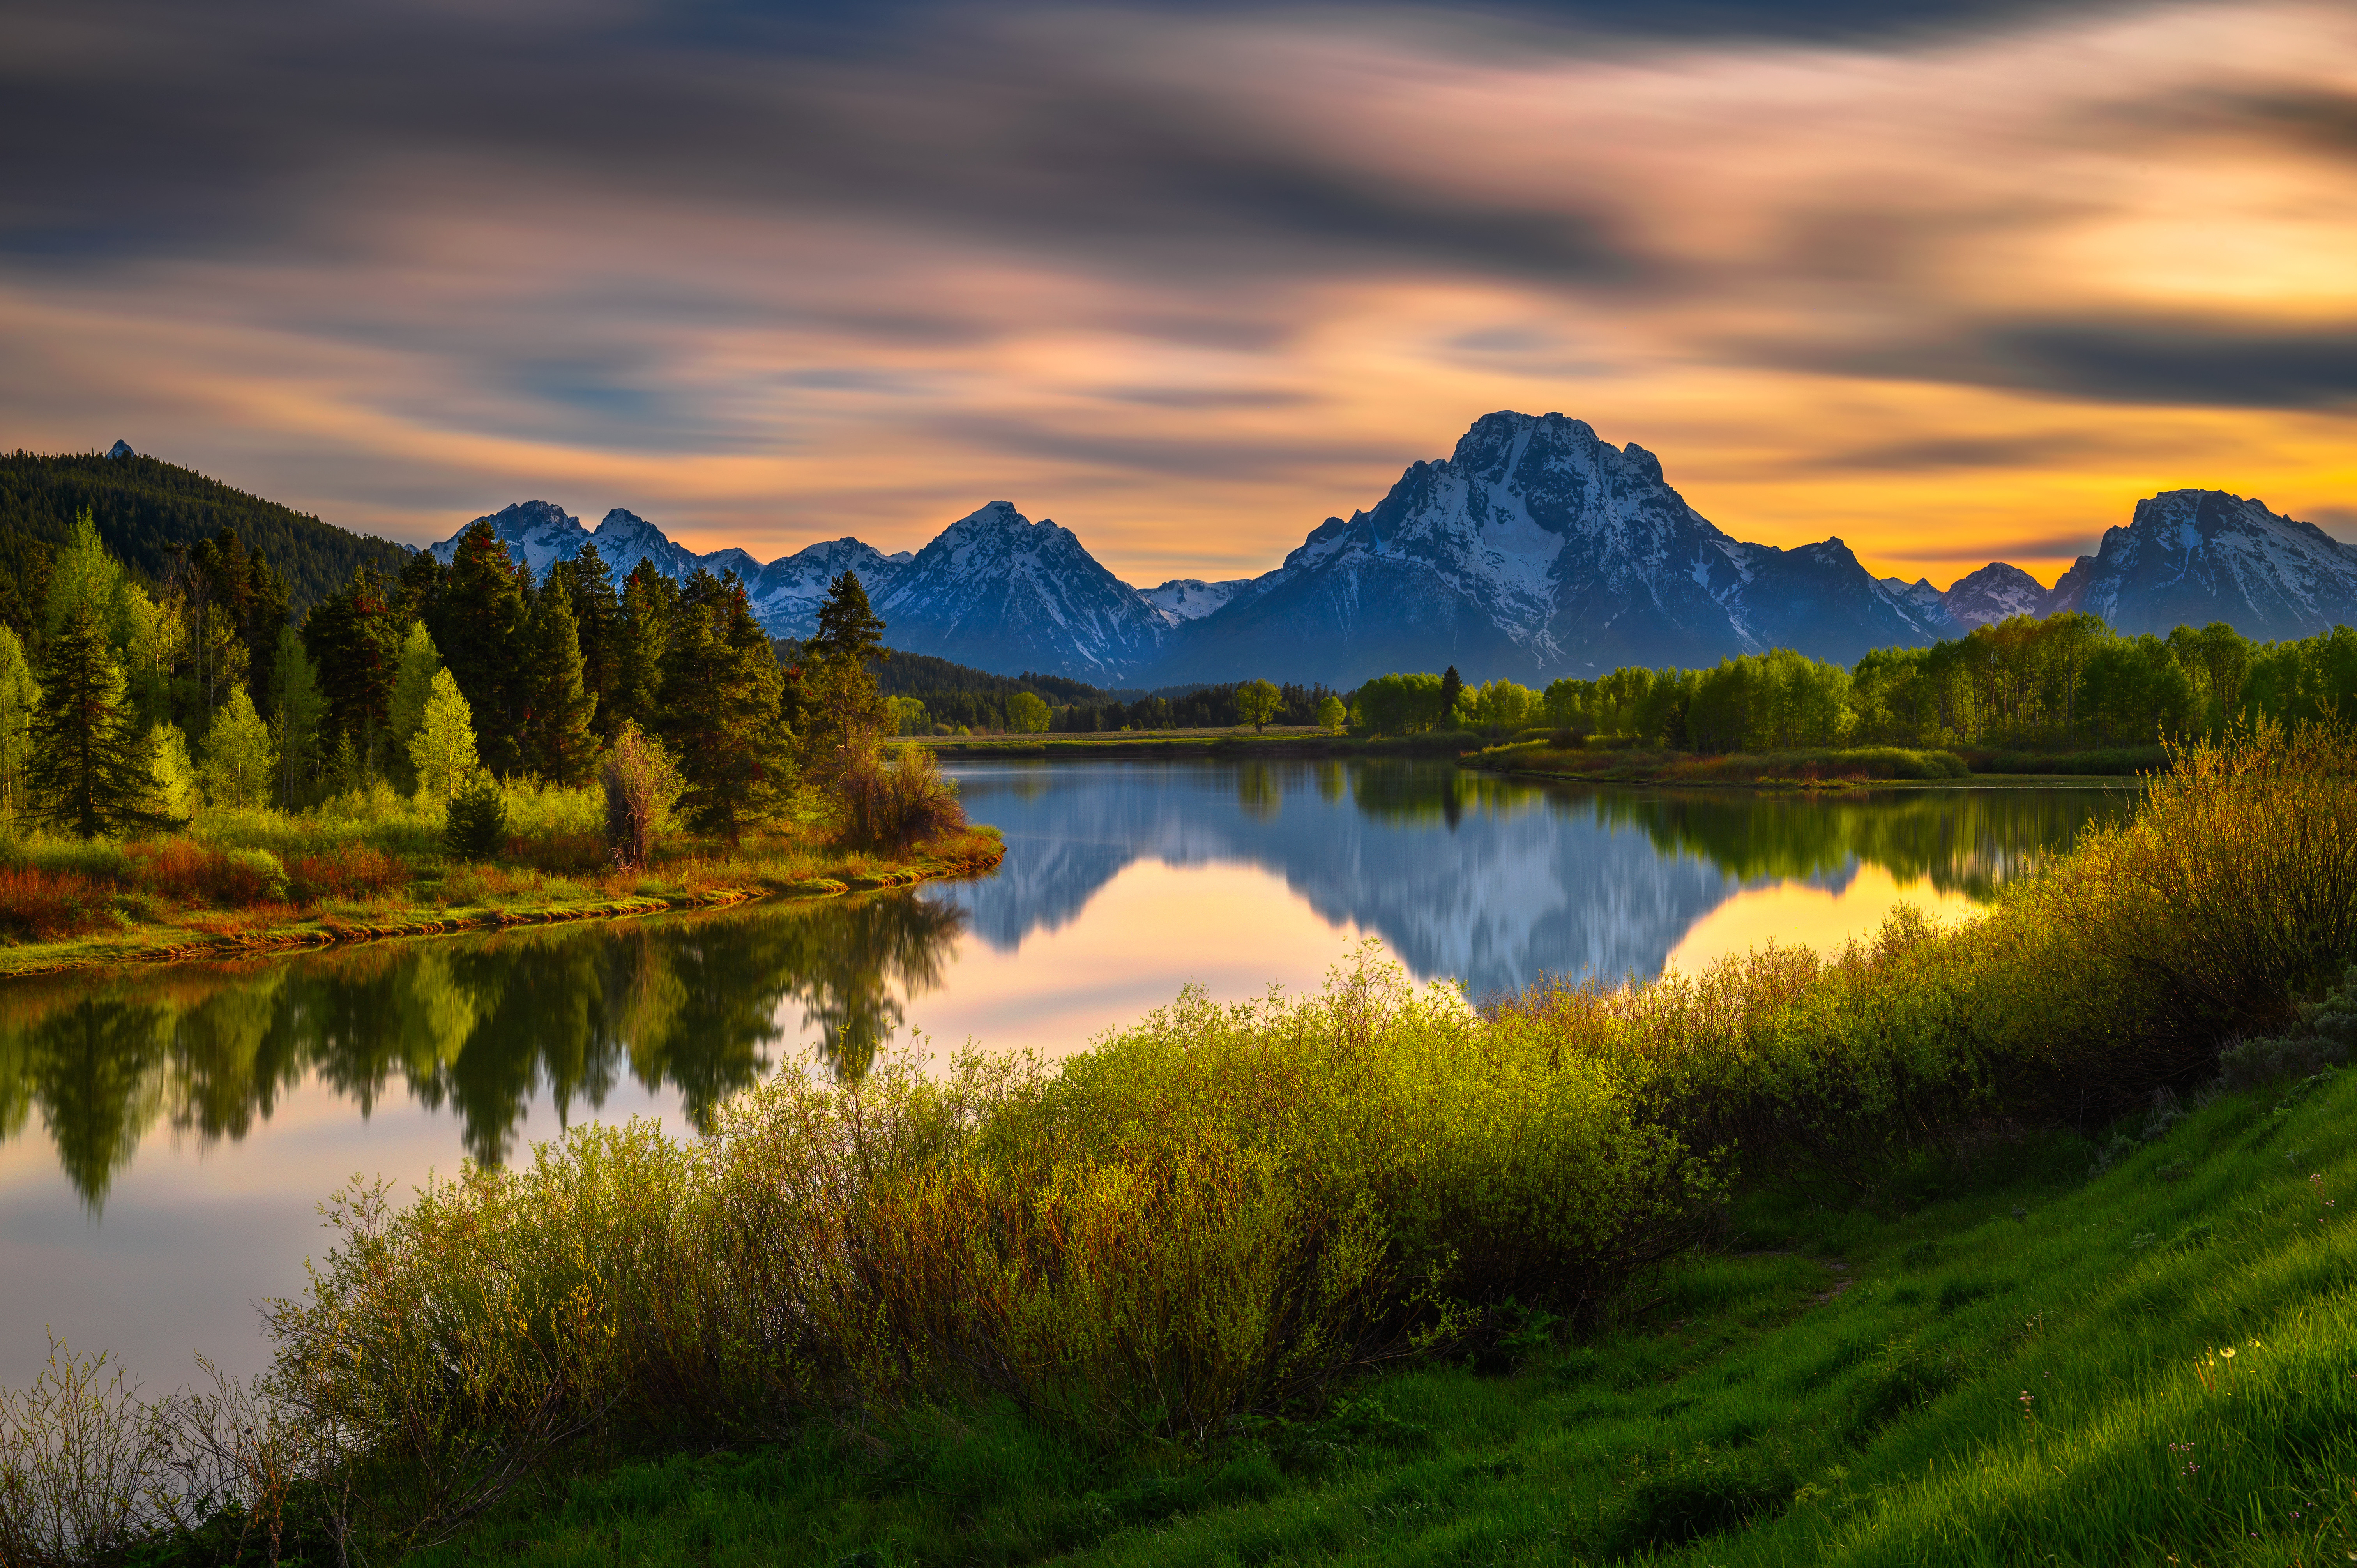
{"x": 2228, "y": 1352}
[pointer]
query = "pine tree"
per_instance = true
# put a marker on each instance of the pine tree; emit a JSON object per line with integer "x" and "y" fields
{"x": 1452, "y": 686}
{"x": 417, "y": 597}
{"x": 589, "y": 584}
{"x": 355, "y": 645}
{"x": 20, "y": 697}
{"x": 560, "y": 744}
{"x": 720, "y": 710}
{"x": 240, "y": 765}
{"x": 845, "y": 710}
{"x": 442, "y": 752}
{"x": 482, "y": 639}
{"x": 650, "y": 606}
{"x": 294, "y": 727}
{"x": 88, "y": 770}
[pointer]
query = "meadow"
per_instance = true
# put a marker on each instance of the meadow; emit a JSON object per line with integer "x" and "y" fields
{"x": 1753, "y": 1264}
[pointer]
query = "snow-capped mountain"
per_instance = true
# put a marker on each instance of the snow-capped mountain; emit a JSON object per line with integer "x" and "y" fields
{"x": 1190, "y": 598}
{"x": 2191, "y": 557}
{"x": 540, "y": 533}
{"x": 1003, "y": 592}
{"x": 1995, "y": 593}
{"x": 1536, "y": 550}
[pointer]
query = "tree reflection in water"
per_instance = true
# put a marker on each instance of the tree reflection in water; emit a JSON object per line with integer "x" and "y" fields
{"x": 480, "y": 1025}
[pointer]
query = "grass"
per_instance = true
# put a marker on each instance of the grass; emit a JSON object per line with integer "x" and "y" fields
{"x": 2013, "y": 1355}
{"x": 373, "y": 864}
{"x": 1813, "y": 769}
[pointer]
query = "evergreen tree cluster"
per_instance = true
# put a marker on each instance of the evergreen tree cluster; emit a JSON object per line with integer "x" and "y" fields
{"x": 434, "y": 680}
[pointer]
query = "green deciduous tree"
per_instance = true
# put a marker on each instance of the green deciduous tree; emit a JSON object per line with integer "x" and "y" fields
{"x": 1027, "y": 713}
{"x": 412, "y": 684}
{"x": 20, "y": 696}
{"x": 294, "y": 726}
{"x": 89, "y": 770}
{"x": 1257, "y": 701}
{"x": 442, "y": 753}
{"x": 240, "y": 765}
{"x": 1332, "y": 714}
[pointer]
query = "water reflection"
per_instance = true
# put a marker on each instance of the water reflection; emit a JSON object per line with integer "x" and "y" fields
{"x": 480, "y": 1025}
{"x": 1489, "y": 880}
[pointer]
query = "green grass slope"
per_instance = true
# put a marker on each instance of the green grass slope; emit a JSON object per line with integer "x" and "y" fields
{"x": 143, "y": 507}
{"x": 2040, "y": 1351}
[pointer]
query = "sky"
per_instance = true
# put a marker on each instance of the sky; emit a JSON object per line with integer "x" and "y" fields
{"x": 1954, "y": 281}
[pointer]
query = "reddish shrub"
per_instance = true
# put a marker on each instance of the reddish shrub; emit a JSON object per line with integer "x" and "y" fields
{"x": 353, "y": 871}
{"x": 47, "y": 906}
{"x": 187, "y": 873}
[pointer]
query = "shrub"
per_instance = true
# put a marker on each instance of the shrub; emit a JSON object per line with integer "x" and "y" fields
{"x": 892, "y": 803}
{"x": 641, "y": 784}
{"x": 2231, "y": 892}
{"x": 51, "y": 906}
{"x": 476, "y": 827}
{"x": 347, "y": 871}
{"x": 186, "y": 872}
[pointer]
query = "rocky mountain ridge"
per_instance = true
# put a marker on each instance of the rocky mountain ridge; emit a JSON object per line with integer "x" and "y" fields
{"x": 1535, "y": 550}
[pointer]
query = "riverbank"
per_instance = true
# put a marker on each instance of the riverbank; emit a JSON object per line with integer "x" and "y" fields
{"x": 440, "y": 898}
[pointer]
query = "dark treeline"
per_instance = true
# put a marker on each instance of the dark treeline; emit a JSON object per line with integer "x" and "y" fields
{"x": 935, "y": 695}
{"x": 150, "y": 513}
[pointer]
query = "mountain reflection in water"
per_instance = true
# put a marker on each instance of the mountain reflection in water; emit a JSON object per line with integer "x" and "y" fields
{"x": 480, "y": 1025}
{"x": 1491, "y": 881}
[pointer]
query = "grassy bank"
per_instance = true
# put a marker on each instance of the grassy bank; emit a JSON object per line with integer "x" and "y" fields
{"x": 1032, "y": 1314}
{"x": 2018, "y": 1352}
{"x": 375, "y": 864}
{"x": 1180, "y": 745}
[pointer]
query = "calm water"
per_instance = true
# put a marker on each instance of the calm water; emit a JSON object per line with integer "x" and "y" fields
{"x": 166, "y": 1134}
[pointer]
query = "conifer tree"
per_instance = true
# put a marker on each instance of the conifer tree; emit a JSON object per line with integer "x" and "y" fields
{"x": 418, "y": 596}
{"x": 294, "y": 727}
{"x": 442, "y": 752}
{"x": 844, "y": 708}
{"x": 560, "y": 744}
{"x": 482, "y": 639}
{"x": 720, "y": 710}
{"x": 650, "y": 605}
{"x": 240, "y": 765}
{"x": 88, "y": 770}
{"x": 20, "y": 696}
{"x": 597, "y": 611}
{"x": 355, "y": 645}
{"x": 1452, "y": 686}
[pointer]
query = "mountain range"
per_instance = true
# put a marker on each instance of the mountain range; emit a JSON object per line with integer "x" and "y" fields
{"x": 1535, "y": 550}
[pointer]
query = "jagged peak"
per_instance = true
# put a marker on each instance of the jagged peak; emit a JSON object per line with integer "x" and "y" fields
{"x": 120, "y": 449}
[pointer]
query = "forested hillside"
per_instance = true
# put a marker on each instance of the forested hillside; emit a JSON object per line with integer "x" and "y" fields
{"x": 143, "y": 507}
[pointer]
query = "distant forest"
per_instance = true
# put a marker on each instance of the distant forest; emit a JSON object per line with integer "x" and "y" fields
{"x": 144, "y": 509}
{"x": 959, "y": 696}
